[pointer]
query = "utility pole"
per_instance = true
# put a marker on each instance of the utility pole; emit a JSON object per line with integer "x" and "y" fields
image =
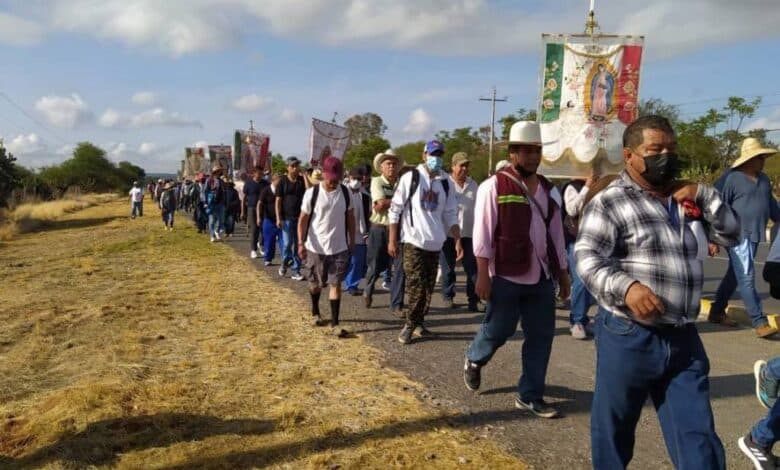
{"x": 493, "y": 100}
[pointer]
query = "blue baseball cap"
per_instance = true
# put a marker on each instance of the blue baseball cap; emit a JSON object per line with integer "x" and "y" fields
{"x": 434, "y": 147}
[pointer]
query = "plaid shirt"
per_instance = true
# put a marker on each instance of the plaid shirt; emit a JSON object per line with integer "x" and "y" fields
{"x": 626, "y": 235}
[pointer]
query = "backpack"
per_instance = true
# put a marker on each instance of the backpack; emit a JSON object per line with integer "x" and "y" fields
{"x": 315, "y": 194}
{"x": 413, "y": 189}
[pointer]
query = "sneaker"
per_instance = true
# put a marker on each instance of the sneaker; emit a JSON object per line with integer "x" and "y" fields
{"x": 762, "y": 458}
{"x": 297, "y": 277}
{"x": 367, "y": 300}
{"x": 537, "y": 407}
{"x": 317, "y": 320}
{"x": 253, "y": 254}
{"x": 422, "y": 332}
{"x": 385, "y": 285}
{"x": 266, "y": 263}
{"x": 766, "y": 388}
{"x": 472, "y": 375}
{"x": 213, "y": 239}
{"x": 405, "y": 337}
{"x": 261, "y": 251}
{"x": 721, "y": 319}
{"x": 399, "y": 312}
{"x": 339, "y": 332}
{"x": 216, "y": 235}
{"x": 171, "y": 229}
{"x": 578, "y": 331}
{"x": 282, "y": 270}
{"x": 476, "y": 307}
{"x": 765, "y": 331}
{"x": 449, "y": 304}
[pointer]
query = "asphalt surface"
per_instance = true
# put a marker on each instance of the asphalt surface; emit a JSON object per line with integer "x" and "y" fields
{"x": 564, "y": 442}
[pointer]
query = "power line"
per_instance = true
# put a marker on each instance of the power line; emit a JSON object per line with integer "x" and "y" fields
{"x": 33, "y": 119}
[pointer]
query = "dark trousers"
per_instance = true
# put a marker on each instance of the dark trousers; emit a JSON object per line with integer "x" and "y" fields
{"x": 138, "y": 208}
{"x": 398, "y": 282}
{"x": 254, "y": 229}
{"x": 420, "y": 269}
{"x": 534, "y": 307}
{"x": 671, "y": 366}
{"x": 377, "y": 257}
{"x": 447, "y": 264}
{"x": 230, "y": 224}
{"x": 200, "y": 216}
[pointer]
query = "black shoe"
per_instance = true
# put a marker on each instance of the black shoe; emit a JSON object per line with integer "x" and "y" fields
{"x": 367, "y": 300}
{"x": 762, "y": 458}
{"x": 422, "y": 332}
{"x": 405, "y": 337}
{"x": 449, "y": 304}
{"x": 317, "y": 320}
{"x": 354, "y": 292}
{"x": 472, "y": 375}
{"x": 537, "y": 407}
{"x": 476, "y": 307}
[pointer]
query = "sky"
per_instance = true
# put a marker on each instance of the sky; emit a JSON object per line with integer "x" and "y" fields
{"x": 145, "y": 78}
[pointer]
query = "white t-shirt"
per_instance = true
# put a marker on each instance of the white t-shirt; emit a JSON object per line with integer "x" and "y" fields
{"x": 328, "y": 228}
{"x": 136, "y": 194}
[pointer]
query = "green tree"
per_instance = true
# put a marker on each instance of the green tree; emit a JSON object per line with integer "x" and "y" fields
{"x": 365, "y": 126}
{"x": 278, "y": 165}
{"x": 410, "y": 153}
{"x": 506, "y": 122}
{"x": 364, "y": 153}
{"x": 9, "y": 176}
{"x": 659, "y": 107}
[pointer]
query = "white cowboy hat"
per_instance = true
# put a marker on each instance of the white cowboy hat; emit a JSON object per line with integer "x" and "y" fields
{"x": 525, "y": 133}
{"x": 381, "y": 157}
{"x": 752, "y": 148}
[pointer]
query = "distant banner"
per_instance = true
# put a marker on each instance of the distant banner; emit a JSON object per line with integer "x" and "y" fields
{"x": 222, "y": 155}
{"x": 590, "y": 92}
{"x": 194, "y": 162}
{"x": 252, "y": 150}
{"x": 327, "y": 139}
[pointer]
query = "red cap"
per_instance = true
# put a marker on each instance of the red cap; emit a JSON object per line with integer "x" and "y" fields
{"x": 332, "y": 169}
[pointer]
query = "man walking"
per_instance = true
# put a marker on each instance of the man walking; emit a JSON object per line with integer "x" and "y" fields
{"x": 519, "y": 246}
{"x": 361, "y": 207}
{"x": 466, "y": 193}
{"x": 640, "y": 253}
{"x": 747, "y": 189}
{"x": 252, "y": 189}
{"x": 428, "y": 210}
{"x": 266, "y": 210}
{"x": 289, "y": 195}
{"x": 215, "y": 203}
{"x": 137, "y": 200}
{"x": 383, "y": 187}
{"x": 326, "y": 227}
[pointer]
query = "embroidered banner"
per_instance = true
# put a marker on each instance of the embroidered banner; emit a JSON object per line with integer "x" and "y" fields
{"x": 222, "y": 155}
{"x": 252, "y": 150}
{"x": 194, "y": 162}
{"x": 589, "y": 95}
{"x": 327, "y": 139}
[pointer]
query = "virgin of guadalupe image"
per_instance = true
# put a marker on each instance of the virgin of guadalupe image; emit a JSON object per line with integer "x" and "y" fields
{"x": 601, "y": 90}
{"x": 326, "y": 152}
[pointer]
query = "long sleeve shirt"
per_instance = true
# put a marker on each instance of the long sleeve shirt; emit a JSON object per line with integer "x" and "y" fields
{"x": 752, "y": 200}
{"x": 361, "y": 228}
{"x": 467, "y": 198}
{"x": 486, "y": 220}
{"x": 433, "y": 211}
{"x": 627, "y": 235}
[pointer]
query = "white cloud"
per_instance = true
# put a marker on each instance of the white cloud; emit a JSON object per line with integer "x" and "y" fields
{"x": 18, "y": 31}
{"x": 26, "y": 144}
{"x": 420, "y": 124}
{"x": 770, "y": 121}
{"x": 147, "y": 148}
{"x": 161, "y": 117}
{"x": 64, "y": 111}
{"x": 111, "y": 119}
{"x": 288, "y": 117}
{"x": 252, "y": 102}
{"x": 145, "y": 98}
{"x": 66, "y": 150}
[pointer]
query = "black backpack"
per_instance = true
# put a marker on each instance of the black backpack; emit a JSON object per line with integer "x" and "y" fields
{"x": 314, "y": 196}
{"x": 413, "y": 189}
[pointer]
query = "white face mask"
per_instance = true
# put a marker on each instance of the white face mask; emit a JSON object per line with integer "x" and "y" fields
{"x": 354, "y": 184}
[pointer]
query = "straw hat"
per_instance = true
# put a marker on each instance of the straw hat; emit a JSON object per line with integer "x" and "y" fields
{"x": 386, "y": 155}
{"x": 752, "y": 148}
{"x": 316, "y": 176}
{"x": 217, "y": 168}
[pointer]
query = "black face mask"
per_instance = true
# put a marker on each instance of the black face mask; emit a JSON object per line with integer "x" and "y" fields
{"x": 661, "y": 169}
{"x": 523, "y": 172}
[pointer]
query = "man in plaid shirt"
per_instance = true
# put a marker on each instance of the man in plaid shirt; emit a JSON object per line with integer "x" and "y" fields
{"x": 639, "y": 251}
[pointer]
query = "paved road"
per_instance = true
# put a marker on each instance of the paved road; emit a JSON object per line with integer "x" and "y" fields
{"x": 562, "y": 443}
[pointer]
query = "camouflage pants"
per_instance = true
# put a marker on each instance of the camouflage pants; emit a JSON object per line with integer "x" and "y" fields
{"x": 420, "y": 268}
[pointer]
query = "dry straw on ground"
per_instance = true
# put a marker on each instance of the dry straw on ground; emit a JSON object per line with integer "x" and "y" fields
{"x": 125, "y": 346}
{"x": 36, "y": 216}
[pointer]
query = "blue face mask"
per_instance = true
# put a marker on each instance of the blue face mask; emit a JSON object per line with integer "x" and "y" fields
{"x": 434, "y": 163}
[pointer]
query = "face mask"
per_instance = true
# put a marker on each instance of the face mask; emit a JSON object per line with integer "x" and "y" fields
{"x": 523, "y": 172}
{"x": 661, "y": 169}
{"x": 354, "y": 184}
{"x": 434, "y": 163}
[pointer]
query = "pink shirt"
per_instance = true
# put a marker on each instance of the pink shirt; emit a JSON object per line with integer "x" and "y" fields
{"x": 486, "y": 219}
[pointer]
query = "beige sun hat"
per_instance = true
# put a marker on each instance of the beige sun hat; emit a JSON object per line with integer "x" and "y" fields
{"x": 752, "y": 148}
{"x": 525, "y": 133}
{"x": 381, "y": 157}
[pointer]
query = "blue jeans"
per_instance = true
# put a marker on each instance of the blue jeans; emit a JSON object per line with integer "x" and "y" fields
{"x": 270, "y": 238}
{"x": 741, "y": 275}
{"x": 767, "y": 431}
{"x": 534, "y": 306}
{"x": 671, "y": 366}
{"x": 230, "y": 224}
{"x": 447, "y": 264}
{"x": 167, "y": 218}
{"x": 290, "y": 245}
{"x": 216, "y": 219}
{"x": 357, "y": 267}
{"x": 581, "y": 300}
{"x": 138, "y": 208}
{"x": 398, "y": 282}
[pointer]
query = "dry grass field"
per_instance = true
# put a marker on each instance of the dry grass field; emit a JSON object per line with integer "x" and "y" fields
{"x": 124, "y": 346}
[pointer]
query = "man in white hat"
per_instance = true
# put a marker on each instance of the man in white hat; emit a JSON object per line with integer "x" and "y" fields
{"x": 747, "y": 189}
{"x": 387, "y": 164}
{"x": 521, "y": 254}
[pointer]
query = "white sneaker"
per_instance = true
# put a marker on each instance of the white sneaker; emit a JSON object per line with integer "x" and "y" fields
{"x": 216, "y": 235}
{"x": 385, "y": 285}
{"x": 253, "y": 254}
{"x": 213, "y": 239}
{"x": 297, "y": 277}
{"x": 262, "y": 252}
{"x": 578, "y": 331}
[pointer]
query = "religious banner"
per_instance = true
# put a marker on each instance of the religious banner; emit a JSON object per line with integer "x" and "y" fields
{"x": 327, "y": 139}
{"x": 222, "y": 155}
{"x": 252, "y": 150}
{"x": 590, "y": 93}
{"x": 194, "y": 162}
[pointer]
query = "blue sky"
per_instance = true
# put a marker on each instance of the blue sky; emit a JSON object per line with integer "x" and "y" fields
{"x": 145, "y": 78}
